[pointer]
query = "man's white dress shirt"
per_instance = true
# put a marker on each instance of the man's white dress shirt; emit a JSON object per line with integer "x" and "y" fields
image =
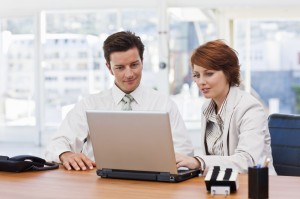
{"x": 74, "y": 128}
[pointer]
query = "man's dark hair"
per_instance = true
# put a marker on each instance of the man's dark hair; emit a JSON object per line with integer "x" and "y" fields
{"x": 122, "y": 41}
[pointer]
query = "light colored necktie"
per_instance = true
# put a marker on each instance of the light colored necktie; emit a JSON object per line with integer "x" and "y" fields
{"x": 127, "y": 99}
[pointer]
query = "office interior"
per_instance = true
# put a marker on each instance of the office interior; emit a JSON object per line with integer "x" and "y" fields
{"x": 51, "y": 56}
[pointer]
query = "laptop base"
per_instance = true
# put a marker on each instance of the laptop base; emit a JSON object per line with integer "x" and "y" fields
{"x": 146, "y": 175}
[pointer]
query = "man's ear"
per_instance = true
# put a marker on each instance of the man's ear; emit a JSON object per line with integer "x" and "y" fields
{"x": 109, "y": 68}
{"x": 142, "y": 64}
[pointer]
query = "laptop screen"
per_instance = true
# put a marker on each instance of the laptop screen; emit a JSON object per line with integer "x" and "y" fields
{"x": 132, "y": 140}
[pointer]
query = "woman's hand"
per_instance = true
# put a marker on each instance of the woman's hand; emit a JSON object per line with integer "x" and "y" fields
{"x": 186, "y": 161}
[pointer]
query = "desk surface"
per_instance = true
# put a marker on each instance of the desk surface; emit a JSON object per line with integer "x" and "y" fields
{"x": 86, "y": 184}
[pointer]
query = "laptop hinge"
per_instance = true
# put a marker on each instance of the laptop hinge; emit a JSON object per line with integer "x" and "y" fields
{"x": 139, "y": 175}
{"x": 104, "y": 172}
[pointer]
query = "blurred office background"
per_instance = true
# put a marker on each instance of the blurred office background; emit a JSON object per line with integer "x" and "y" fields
{"x": 51, "y": 56}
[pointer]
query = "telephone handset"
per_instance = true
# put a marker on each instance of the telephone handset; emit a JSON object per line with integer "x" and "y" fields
{"x": 22, "y": 163}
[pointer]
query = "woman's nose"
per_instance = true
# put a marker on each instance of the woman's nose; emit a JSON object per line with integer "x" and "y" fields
{"x": 200, "y": 80}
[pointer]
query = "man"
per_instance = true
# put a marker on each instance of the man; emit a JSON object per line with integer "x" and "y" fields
{"x": 123, "y": 52}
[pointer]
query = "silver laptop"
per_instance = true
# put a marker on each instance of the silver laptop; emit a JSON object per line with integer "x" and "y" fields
{"x": 134, "y": 145}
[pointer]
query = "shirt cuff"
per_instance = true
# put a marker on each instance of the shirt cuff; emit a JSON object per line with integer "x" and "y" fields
{"x": 202, "y": 163}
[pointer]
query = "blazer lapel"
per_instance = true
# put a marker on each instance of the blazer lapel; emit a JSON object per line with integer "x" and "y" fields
{"x": 231, "y": 103}
{"x": 203, "y": 128}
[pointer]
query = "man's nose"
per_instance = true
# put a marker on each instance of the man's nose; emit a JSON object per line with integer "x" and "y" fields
{"x": 128, "y": 72}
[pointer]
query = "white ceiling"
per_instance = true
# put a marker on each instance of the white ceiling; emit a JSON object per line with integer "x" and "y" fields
{"x": 25, "y": 7}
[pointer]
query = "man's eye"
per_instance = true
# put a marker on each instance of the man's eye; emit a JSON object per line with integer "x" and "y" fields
{"x": 135, "y": 65}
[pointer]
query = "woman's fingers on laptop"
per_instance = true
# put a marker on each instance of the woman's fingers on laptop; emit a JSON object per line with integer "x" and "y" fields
{"x": 179, "y": 160}
{"x": 186, "y": 161}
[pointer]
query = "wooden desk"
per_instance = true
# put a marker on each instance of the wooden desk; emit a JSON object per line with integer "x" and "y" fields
{"x": 60, "y": 184}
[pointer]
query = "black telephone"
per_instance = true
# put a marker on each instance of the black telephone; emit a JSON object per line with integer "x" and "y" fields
{"x": 22, "y": 163}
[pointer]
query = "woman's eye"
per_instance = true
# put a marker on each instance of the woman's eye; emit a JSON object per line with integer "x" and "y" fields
{"x": 196, "y": 76}
{"x": 119, "y": 68}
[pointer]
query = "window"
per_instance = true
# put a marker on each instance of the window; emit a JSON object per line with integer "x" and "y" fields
{"x": 73, "y": 54}
{"x": 189, "y": 27}
{"x": 17, "y": 79}
{"x": 274, "y": 61}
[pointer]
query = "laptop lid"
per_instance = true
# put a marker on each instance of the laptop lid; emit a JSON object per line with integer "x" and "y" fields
{"x": 131, "y": 140}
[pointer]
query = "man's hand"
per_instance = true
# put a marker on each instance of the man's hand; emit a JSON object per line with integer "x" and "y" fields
{"x": 186, "y": 161}
{"x": 76, "y": 161}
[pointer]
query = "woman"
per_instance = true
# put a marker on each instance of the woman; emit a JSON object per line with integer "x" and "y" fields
{"x": 234, "y": 126}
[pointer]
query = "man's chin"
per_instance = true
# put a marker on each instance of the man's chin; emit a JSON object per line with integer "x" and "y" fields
{"x": 129, "y": 89}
